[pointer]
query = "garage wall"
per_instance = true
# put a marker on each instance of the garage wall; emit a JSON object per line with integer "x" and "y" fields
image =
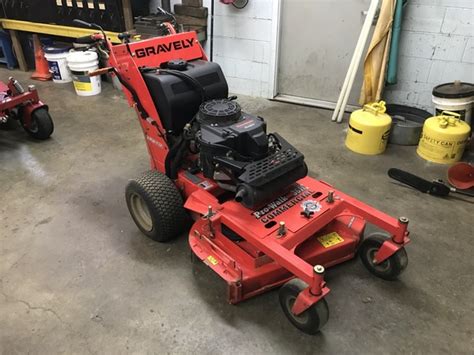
{"x": 437, "y": 46}
{"x": 244, "y": 46}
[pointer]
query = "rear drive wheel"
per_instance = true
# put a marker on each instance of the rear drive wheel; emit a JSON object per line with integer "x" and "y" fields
{"x": 310, "y": 321}
{"x": 156, "y": 206}
{"x": 389, "y": 269}
{"x": 41, "y": 126}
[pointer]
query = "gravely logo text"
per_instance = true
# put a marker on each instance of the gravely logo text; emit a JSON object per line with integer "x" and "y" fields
{"x": 164, "y": 48}
{"x": 282, "y": 203}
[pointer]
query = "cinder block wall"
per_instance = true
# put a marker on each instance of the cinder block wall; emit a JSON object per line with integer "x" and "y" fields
{"x": 242, "y": 46}
{"x": 437, "y": 46}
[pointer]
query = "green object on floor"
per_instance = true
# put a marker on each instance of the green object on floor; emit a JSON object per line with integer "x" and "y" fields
{"x": 392, "y": 71}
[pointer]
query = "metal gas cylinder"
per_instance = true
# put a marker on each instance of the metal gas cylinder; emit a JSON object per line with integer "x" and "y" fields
{"x": 369, "y": 129}
{"x": 444, "y": 138}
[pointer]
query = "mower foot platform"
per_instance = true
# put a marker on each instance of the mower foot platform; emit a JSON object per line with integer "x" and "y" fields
{"x": 290, "y": 242}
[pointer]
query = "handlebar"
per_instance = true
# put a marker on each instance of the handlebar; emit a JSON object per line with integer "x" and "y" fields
{"x": 82, "y": 23}
{"x": 89, "y": 39}
{"x": 92, "y": 25}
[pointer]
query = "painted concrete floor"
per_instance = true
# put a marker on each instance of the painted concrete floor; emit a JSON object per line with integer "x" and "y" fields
{"x": 76, "y": 276}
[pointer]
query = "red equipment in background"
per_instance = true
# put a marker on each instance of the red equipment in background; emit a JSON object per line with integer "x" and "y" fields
{"x": 239, "y": 4}
{"x": 289, "y": 240}
{"x": 16, "y": 103}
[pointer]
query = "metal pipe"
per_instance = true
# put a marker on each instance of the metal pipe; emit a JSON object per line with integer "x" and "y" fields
{"x": 355, "y": 62}
{"x": 365, "y": 36}
{"x": 318, "y": 280}
{"x": 211, "y": 35}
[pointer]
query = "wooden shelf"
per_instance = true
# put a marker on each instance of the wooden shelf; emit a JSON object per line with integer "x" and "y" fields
{"x": 54, "y": 30}
{"x": 42, "y": 28}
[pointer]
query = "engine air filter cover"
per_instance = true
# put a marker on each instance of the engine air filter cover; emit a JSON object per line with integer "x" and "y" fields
{"x": 222, "y": 112}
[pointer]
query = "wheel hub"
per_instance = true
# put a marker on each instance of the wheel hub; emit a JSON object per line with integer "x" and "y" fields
{"x": 33, "y": 125}
{"x": 383, "y": 266}
{"x": 141, "y": 212}
{"x": 301, "y": 318}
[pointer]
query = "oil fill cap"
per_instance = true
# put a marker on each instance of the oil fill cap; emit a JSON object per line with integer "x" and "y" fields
{"x": 177, "y": 64}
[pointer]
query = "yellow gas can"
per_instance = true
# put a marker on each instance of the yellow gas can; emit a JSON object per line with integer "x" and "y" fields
{"x": 369, "y": 129}
{"x": 444, "y": 138}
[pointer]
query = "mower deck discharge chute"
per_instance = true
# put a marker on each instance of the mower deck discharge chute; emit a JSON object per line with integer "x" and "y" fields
{"x": 258, "y": 220}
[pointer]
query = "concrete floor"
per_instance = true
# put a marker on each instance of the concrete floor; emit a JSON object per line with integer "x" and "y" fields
{"x": 76, "y": 275}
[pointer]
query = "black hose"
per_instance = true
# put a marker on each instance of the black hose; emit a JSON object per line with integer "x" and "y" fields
{"x": 175, "y": 157}
{"x": 134, "y": 94}
{"x": 182, "y": 75}
{"x": 143, "y": 113}
{"x": 187, "y": 78}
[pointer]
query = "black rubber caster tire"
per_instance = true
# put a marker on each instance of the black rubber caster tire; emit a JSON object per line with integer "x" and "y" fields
{"x": 42, "y": 126}
{"x": 310, "y": 321}
{"x": 391, "y": 268}
{"x": 156, "y": 206}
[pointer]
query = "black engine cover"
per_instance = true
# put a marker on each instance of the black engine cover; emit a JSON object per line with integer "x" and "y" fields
{"x": 222, "y": 127}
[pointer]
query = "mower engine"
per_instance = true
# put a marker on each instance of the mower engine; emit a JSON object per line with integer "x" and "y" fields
{"x": 236, "y": 151}
{"x": 234, "y": 148}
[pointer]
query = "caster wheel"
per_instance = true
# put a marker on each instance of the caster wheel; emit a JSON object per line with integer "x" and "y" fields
{"x": 391, "y": 268}
{"x": 41, "y": 124}
{"x": 156, "y": 206}
{"x": 310, "y": 321}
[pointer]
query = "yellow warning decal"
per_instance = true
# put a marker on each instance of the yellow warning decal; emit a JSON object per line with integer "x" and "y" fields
{"x": 82, "y": 86}
{"x": 330, "y": 239}
{"x": 212, "y": 260}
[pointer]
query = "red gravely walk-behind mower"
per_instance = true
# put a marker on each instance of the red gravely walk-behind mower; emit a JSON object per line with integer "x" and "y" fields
{"x": 258, "y": 220}
{"x": 16, "y": 103}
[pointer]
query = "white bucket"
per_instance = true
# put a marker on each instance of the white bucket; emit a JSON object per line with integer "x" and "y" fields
{"x": 80, "y": 64}
{"x": 456, "y": 97}
{"x": 462, "y": 106}
{"x": 56, "y": 57}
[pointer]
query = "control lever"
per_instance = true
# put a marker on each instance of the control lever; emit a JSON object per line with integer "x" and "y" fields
{"x": 124, "y": 37}
{"x": 94, "y": 26}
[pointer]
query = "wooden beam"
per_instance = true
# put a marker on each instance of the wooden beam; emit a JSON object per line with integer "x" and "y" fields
{"x": 128, "y": 14}
{"x": 200, "y": 12}
{"x": 195, "y": 3}
{"x": 54, "y": 30}
{"x": 191, "y": 21}
{"x": 18, "y": 51}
